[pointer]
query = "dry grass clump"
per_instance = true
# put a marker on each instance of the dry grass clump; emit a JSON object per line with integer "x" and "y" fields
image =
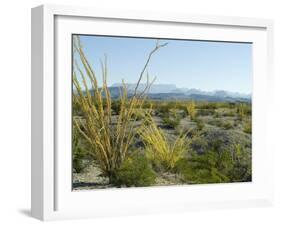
{"x": 158, "y": 148}
{"x": 191, "y": 110}
{"x": 110, "y": 142}
{"x": 243, "y": 110}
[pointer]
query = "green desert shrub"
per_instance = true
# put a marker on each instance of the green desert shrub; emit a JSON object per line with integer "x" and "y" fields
{"x": 216, "y": 122}
{"x": 172, "y": 104}
{"x": 135, "y": 171}
{"x": 163, "y": 109}
{"x": 228, "y": 114}
{"x": 116, "y": 106}
{"x": 216, "y": 114}
{"x": 147, "y": 104}
{"x": 170, "y": 122}
{"x": 248, "y": 127}
{"x": 198, "y": 144}
{"x": 200, "y": 124}
{"x": 229, "y": 105}
{"x": 208, "y": 167}
{"x": 242, "y": 166}
{"x": 79, "y": 164}
{"x": 227, "y": 125}
{"x": 214, "y": 165}
{"x": 221, "y": 123}
{"x": 81, "y": 159}
{"x": 204, "y": 112}
{"x": 238, "y": 152}
{"x": 208, "y": 105}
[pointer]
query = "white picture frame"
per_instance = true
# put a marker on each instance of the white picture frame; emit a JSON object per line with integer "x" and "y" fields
{"x": 52, "y": 197}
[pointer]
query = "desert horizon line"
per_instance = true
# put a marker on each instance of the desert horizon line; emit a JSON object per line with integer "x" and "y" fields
{"x": 183, "y": 87}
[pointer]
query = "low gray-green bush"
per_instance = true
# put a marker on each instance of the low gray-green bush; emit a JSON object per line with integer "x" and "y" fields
{"x": 135, "y": 171}
{"x": 200, "y": 124}
{"x": 170, "y": 122}
{"x": 81, "y": 159}
{"x": 208, "y": 167}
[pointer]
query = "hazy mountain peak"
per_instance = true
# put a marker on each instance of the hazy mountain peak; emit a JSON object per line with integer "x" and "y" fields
{"x": 155, "y": 88}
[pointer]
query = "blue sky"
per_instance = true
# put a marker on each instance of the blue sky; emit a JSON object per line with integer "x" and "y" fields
{"x": 187, "y": 64}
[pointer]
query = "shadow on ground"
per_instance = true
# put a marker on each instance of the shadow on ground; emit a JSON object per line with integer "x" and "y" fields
{"x": 25, "y": 212}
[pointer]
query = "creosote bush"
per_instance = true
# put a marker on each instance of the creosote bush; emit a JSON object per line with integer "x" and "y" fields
{"x": 81, "y": 158}
{"x": 227, "y": 125}
{"x": 222, "y": 123}
{"x": 242, "y": 166}
{"x": 208, "y": 105}
{"x": 204, "y": 112}
{"x": 214, "y": 165}
{"x": 208, "y": 167}
{"x": 200, "y": 124}
{"x": 170, "y": 122}
{"x": 135, "y": 171}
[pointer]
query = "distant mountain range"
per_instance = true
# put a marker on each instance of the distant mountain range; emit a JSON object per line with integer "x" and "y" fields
{"x": 155, "y": 88}
{"x": 171, "y": 92}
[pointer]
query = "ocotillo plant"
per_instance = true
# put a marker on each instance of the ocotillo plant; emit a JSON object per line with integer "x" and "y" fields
{"x": 110, "y": 142}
